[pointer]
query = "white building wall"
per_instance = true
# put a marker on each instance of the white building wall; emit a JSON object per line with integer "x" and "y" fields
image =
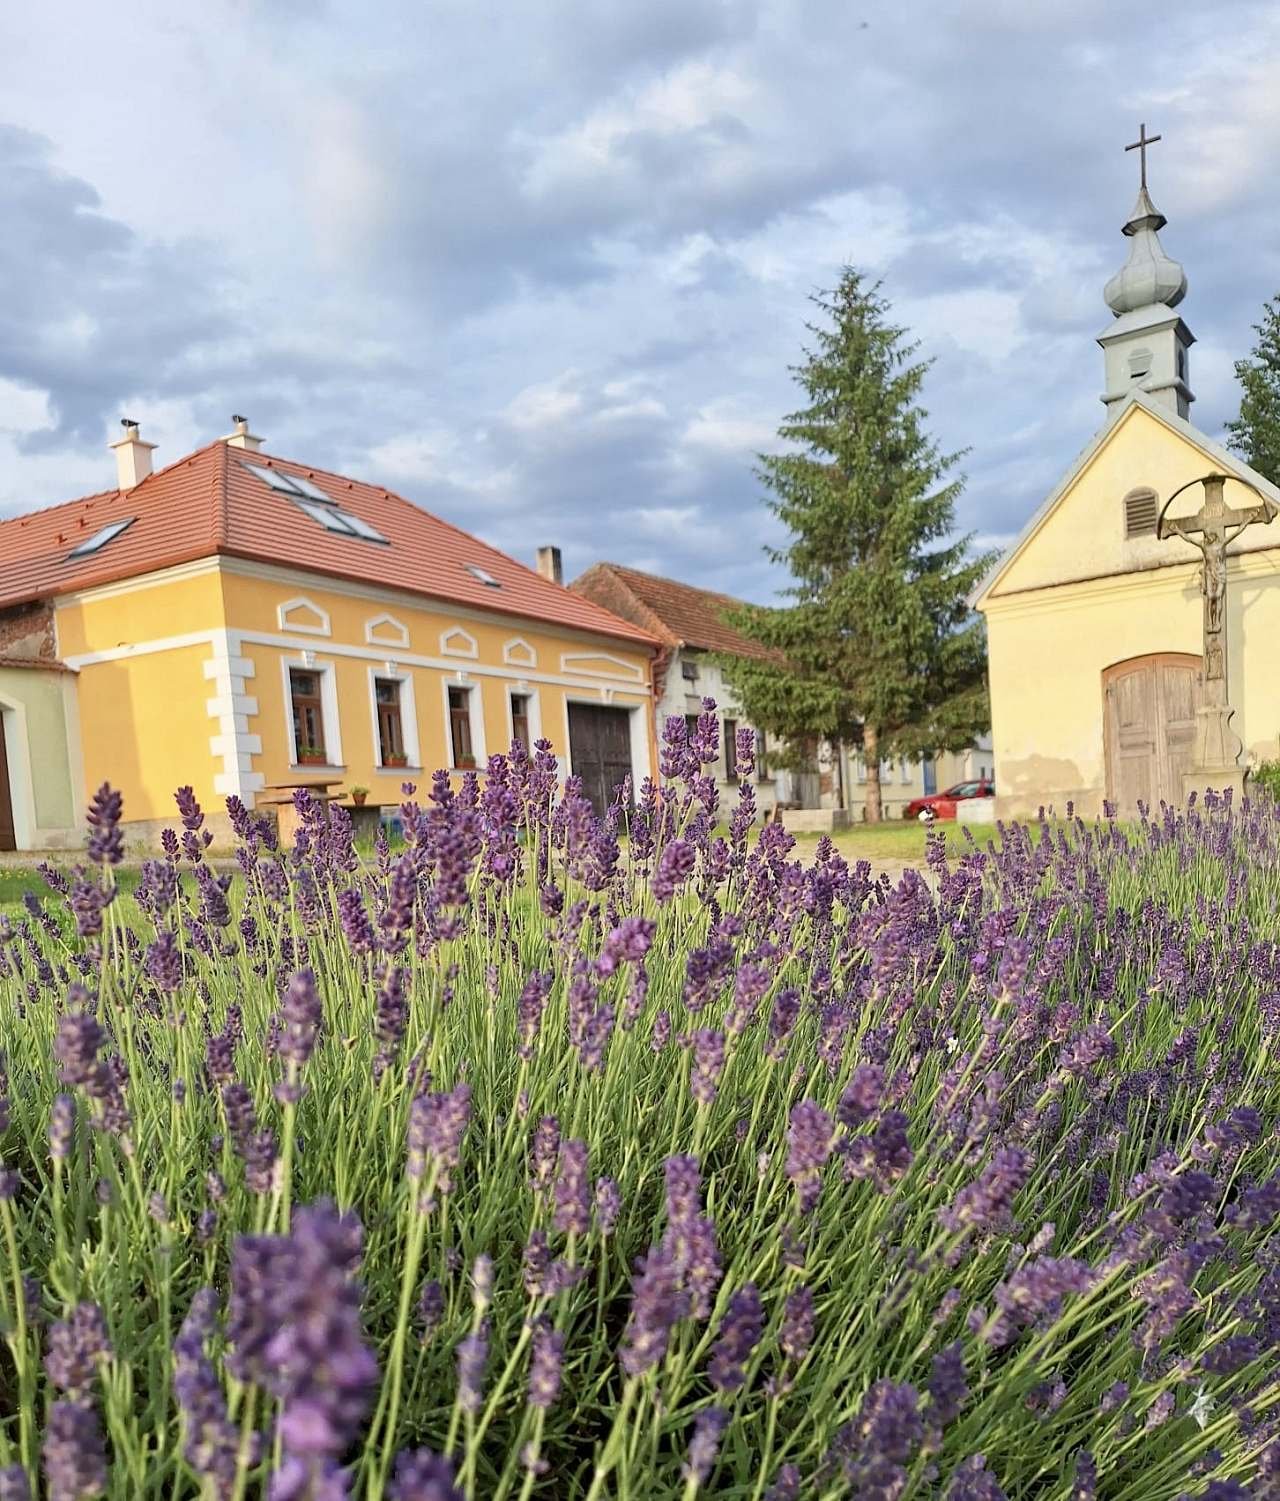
{"x": 682, "y": 694}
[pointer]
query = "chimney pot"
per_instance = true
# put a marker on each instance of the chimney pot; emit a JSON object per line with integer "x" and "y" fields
{"x": 549, "y": 564}
{"x": 241, "y": 437}
{"x": 133, "y": 456}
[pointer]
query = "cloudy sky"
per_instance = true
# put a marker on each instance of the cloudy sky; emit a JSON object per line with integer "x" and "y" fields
{"x": 541, "y": 265}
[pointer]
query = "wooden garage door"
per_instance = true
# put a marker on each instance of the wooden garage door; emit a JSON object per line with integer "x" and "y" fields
{"x": 7, "y": 839}
{"x": 1151, "y": 707}
{"x": 599, "y": 750}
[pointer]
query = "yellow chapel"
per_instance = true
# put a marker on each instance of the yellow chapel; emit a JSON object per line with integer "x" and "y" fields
{"x": 1094, "y": 622}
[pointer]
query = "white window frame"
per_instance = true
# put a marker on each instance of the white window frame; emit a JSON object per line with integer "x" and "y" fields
{"x": 475, "y": 712}
{"x": 309, "y": 662}
{"x": 524, "y": 690}
{"x": 408, "y": 717}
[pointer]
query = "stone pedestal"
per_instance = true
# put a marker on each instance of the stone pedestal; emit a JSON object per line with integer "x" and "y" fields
{"x": 1217, "y": 754}
{"x": 1201, "y": 779}
{"x": 815, "y": 820}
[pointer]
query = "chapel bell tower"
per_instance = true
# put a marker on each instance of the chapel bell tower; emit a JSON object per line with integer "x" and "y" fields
{"x": 1146, "y": 347}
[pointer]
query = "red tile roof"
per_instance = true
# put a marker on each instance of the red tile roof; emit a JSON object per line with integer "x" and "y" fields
{"x": 212, "y": 503}
{"x": 679, "y": 614}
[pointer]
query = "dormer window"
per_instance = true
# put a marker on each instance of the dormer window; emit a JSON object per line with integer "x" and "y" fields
{"x": 1141, "y": 508}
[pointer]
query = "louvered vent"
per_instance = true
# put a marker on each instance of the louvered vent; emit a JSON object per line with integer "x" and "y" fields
{"x": 1140, "y": 511}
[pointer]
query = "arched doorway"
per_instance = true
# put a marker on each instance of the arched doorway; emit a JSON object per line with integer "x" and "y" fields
{"x": 1149, "y": 706}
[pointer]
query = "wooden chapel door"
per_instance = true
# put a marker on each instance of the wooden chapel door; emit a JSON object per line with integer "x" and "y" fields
{"x": 1150, "y": 724}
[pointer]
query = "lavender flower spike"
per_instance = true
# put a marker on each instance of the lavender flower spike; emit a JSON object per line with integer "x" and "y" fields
{"x": 421, "y": 1475}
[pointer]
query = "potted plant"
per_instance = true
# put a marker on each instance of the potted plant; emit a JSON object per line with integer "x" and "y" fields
{"x": 358, "y": 795}
{"x": 395, "y": 758}
{"x": 310, "y": 755}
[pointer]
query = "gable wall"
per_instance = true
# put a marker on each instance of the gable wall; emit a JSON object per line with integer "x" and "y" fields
{"x": 1083, "y": 536}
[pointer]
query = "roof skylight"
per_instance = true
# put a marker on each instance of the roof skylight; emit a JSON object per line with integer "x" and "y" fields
{"x": 483, "y": 575}
{"x": 312, "y": 500}
{"x": 99, "y": 539}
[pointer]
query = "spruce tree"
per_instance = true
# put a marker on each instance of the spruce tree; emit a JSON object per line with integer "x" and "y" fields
{"x": 878, "y": 646}
{"x": 1255, "y": 433}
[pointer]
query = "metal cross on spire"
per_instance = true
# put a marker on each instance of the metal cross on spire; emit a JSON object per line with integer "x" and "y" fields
{"x": 1140, "y": 145}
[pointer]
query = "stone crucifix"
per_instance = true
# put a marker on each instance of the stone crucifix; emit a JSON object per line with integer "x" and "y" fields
{"x": 1211, "y": 529}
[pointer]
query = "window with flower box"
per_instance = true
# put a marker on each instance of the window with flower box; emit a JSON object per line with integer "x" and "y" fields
{"x": 461, "y": 742}
{"x": 308, "y": 716}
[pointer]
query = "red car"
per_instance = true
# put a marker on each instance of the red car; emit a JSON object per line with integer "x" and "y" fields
{"x": 943, "y": 804}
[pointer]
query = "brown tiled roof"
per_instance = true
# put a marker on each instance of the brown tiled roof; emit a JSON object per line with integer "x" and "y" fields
{"x": 679, "y": 614}
{"x": 212, "y": 503}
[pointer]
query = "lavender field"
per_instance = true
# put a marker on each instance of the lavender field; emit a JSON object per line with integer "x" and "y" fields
{"x": 551, "y": 1158}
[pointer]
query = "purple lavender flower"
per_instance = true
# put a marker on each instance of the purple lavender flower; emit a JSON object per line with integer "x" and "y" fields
{"x": 391, "y": 1019}
{"x": 608, "y": 1205}
{"x": 421, "y": 1475}
{"x": 987, "y": 1202}
{"x": 545, "y": 1151}
{"x": 294, "y": 1325}
{"x": 472, "y": 1356}
{"x": 675, "y": 866}
{"x": 74, "y": 1457}
{"x": 740, "y": 1332}
{"x": 708, "y": 1063}
{"x": 545, "y": 1366}
{"x": 862, "y": 1096}
{"x": 972, "y": 1481}
{"x": 529, "y": 1009}
{"x": 787, "y": 1485}
{"x": 437, "y": 1124}
{"x": 300, "y": 1017}
{"x": 796, "y": 1335}
{"x": 256, "y": 1149}
{"x": 948, "y": 1385}
{"x": 430, "y": 1308}
{"x": 62, "y": 1127}
{"x": 13, "y": 1484}
{"x": 106, "y": 842}
{"x": 782, "y": 1021}
{"x": 661, "y": 1031}
{"x": 874, "y": 1449}
{"x": 1085, "y": 1484}
{"x": 657, "y": 1305}
{"x": 211, "y": 1439}
{"x": 534, "y": 1263}
{"x": 572, "y": 1190}
{"x": 809, "y": 1141}
{"x": 708, "y": 1427}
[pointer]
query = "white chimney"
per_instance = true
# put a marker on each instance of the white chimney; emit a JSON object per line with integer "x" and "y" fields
{"x": 549, "y": 565}
{"x": 133, "y": 456}
{"x": 242, "y": 437}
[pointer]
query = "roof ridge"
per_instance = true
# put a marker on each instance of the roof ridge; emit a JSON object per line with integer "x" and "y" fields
{"x": 663, "y": 578}
{"x": 655, "y": 621}
{"x": 219, "y": 497}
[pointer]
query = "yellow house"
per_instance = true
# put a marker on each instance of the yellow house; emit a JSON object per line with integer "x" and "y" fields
{"x": 242, "y": 623}
{"x": 1094, "y": 624}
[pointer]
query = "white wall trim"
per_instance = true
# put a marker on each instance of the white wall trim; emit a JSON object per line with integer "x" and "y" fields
{"x": 229, "y": 708}
{"x": 409, "y": 600}
{"x": 408, "y": 717}
{"x": 468, "y": 645}
{"x": 396, "y": 633}
{"x": 179, "y": 573}
{"x": 475, "y": 712}
{"x": 629, "y": 672}
{"x": 333, "y": 648}
{"x": 328, "y": 706}
{"x": 287, "y": 607}
{"x": 22, "y": 792}
{"x": 518, "y": 653}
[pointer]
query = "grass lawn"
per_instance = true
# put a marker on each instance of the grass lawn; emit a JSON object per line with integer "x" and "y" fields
{"x": 897, "y": 839}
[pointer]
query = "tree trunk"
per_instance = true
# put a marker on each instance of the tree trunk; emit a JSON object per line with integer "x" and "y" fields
{"x": 871, "y": 754}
